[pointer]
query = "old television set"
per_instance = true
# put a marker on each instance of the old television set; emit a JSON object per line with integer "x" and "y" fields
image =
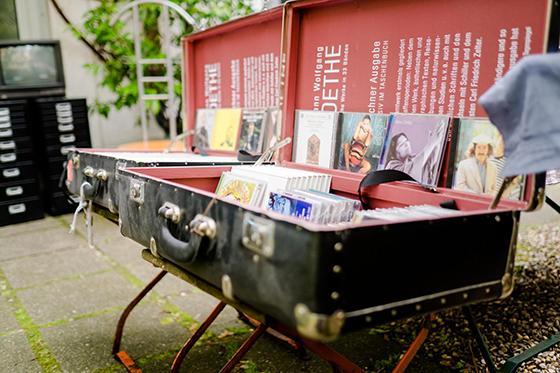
{"x": 30, "y": 69}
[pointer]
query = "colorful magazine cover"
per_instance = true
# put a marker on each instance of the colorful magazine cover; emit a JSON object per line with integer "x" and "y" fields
{"x": 204, "y": 125}
{"x": 360, "y": 141}
{"x": 415, "y": 144}
{"x": 287, "y": 204}
{"x": 252, "y": 128}
{"x": 479, "y": 159}
{"x": 226, "y": 129}
{"x": 240, "y": 189}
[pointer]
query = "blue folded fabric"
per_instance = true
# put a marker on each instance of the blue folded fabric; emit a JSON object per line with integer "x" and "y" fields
{"x": 525, "y": 106}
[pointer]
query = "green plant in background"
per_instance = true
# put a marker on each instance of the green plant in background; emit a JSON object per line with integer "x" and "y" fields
{"x": 114, "y": 45}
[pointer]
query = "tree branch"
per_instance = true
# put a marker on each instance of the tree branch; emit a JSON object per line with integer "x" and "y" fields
{"x": 95, "y": 50}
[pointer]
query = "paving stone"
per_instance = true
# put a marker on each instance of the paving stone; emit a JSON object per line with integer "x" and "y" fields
{"x": 68, "y": 298}
{"x": 38, "y": 241}
{"x": 33, "y": 270}
{"x": 84, "y": 345}
{"x": 7, "y": 320}
{"x": 32, "y": 226}
{"x": 16, "y": 355}
{"x": 199, "y": 304}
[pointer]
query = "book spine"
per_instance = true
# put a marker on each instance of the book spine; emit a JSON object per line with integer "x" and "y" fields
{"x": 335, "y": 153}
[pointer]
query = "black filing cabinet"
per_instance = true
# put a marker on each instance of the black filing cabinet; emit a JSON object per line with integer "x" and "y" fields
{"x": 64, "y": 125}
{"x": 20, "y": 196}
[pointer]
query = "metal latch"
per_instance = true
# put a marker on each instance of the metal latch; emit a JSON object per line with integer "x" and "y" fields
{"x": 137, "y": 192}
{"x": 258, "y": 234}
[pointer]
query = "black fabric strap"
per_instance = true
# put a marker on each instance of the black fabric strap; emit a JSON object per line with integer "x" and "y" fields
{"x": 245, "y": 156}
{"x": 380, "y": 177}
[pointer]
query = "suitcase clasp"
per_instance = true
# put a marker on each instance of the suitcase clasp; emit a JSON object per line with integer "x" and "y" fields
{"x": 258, "y": 235}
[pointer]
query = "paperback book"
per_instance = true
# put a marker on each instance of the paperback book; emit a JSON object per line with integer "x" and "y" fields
{"x": 226, "y": 129}
{"x": 204, "y": 125}
{"x": 252, "y": 130}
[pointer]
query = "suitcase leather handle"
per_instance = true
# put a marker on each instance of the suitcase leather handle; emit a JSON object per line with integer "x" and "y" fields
{"x": 379, "y": 177}
{"x": 202, "y": 230}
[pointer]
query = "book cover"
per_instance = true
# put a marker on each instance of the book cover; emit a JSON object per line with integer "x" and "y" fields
{"x": 271, "y": 128}
{"x": 226, "y": 129}
{"x": 315, "y": 137}
{"x": 287, "y": 204}
{"x": 252, "y": 130}
{"x": 204, "y": 125}
{"x": 480, "y": 159}
{"x": 415, "y": 144}
{"x": 360, "y": 141}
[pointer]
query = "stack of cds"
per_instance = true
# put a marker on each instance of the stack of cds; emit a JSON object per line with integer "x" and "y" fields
{"x": 405, "y": 213}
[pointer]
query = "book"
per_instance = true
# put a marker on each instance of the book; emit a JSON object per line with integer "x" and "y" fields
{"x": 226, "y": 129}
{"x": 415, "y": 145}
{"x": 480, "y": 146}
{"x": 315, "y": 137}
{"x": 204, "y": 125}
{"x": 286, "y": 203}
{"x": 360, "y": 141}
{"x": 271, "y": 128}
{"x": 252, "y": 130}
{"x": 448, "y": 164}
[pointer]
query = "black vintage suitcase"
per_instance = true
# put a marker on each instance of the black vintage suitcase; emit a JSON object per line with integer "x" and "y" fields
{"x": 324, "y": 280}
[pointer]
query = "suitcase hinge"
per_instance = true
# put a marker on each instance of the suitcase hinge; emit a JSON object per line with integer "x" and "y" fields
{"x": 317, "y": 326}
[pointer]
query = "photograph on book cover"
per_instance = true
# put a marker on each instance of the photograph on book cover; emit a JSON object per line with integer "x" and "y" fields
{"x": 252, "y": 128}
{"x": 479, "y": 159}
{"x": 360, "y": 141}
{"x": 415, "y": 146}
{"x": 205, "y": 120}
{"x": 226, "y": 129}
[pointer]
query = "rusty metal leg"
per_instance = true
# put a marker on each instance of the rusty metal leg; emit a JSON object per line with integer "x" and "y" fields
{"x": 195, "y": 337}
{"x": 122, "y": 356}
{"x": 297, "y": 346}
{"x": 415, "y": 346}
{"x": 338, "y": 362}
{"x": 244, "y": 349}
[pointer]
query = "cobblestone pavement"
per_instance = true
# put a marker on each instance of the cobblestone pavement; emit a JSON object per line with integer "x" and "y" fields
{"x": 60, "y": 300}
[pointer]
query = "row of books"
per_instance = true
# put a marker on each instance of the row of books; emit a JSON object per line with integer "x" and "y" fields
{"x": 252, "y": 130}
{"x": 405, "y": 213}
{"x": 436, "y": 150}
{"x": 298, "y": 193}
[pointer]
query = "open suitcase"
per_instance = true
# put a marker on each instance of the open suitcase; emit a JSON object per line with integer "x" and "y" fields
{"x": 322, "y": 280}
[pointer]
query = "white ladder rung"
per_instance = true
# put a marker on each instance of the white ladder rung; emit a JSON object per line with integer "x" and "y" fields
{"x": 153, "y": 61}
{"x": 162, "y": 96}
{"x": 154, "y": 79}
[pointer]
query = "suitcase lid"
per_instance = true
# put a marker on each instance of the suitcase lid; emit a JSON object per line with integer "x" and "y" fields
{"x": 214, "y": 75}
{"x": 378, "y": 57}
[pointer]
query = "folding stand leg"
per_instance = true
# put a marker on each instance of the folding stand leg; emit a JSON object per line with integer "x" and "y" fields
{"x": 515, "y": 362}
{"x": 244, "y": 349}
{"x": 195, "y": 337}
{"x": 482, "y": 346}
{"x": 552, "y": 204}
{"x": 415, "y": 346}
{"x": 122, "y": 356}
{"x": 338, "y": 362}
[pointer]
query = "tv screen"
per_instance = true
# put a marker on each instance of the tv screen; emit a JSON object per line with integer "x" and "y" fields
{"x": 29, "y": 65}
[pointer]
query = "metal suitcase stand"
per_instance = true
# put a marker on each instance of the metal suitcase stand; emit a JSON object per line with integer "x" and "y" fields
{"x": 314, "y": 283}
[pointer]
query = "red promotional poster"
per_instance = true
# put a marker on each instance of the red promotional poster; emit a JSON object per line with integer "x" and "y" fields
{"x": 384, "y": 56}
{"x": 233, "y": 65}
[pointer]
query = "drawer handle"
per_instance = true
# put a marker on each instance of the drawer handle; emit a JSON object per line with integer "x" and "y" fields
{"x": 6, "y": 133}
{"x": 64, "y": 120}
{"x": 14, "y": 191}
{"x": 11, "y": 172}
{"x": 65, "y": 139}
{"x": 63, "y": 106}
{"x": 65, "y": 127}
{"x": 66, "y": 149}
{"x": 16, "y": 209}
{"x": 8, "y": 157}
{"x": 6, "y": 145}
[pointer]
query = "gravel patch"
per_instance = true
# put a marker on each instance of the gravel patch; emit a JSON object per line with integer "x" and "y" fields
{"x": 530, "y": 315}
